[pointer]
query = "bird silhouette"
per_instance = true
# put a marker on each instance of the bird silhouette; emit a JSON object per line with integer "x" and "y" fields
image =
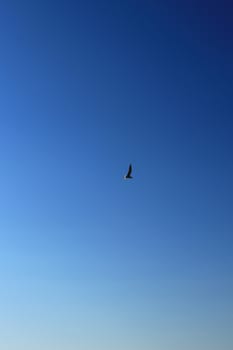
{"x": 128, "y": 175}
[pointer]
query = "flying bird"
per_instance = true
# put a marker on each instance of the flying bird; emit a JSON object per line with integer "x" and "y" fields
{"x": 128, "y": 175}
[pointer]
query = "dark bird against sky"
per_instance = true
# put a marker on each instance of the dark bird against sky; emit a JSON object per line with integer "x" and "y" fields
{"x": 128, "y": 175}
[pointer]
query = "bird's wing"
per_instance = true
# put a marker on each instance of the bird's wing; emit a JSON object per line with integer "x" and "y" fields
{"x": 130, "y": 170}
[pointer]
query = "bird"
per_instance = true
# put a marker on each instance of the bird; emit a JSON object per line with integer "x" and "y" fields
{"x": 128, "y": 175}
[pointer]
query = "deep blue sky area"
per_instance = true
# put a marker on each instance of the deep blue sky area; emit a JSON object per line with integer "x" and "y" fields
{"x": 87, "y": 259}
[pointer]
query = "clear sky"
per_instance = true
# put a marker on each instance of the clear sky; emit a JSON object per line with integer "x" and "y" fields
{"x": 89, "y": 261}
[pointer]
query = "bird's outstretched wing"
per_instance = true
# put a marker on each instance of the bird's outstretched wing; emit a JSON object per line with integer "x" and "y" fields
{"x": 129, "y": 171}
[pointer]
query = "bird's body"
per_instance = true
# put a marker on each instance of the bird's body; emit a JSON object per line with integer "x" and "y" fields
{"x": 128, "y": 175}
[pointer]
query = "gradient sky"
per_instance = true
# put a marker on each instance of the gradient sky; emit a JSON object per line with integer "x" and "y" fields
{"x": 89, "y": 261}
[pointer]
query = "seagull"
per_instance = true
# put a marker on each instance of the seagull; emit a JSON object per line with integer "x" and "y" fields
{"x": 128, "y": 175}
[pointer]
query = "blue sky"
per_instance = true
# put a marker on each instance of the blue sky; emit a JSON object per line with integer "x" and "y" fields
{"x": 88, "y": 260}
